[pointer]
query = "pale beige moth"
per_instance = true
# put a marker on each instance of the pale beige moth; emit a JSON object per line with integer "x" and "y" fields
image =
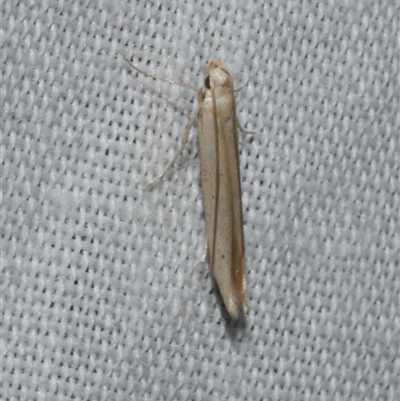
{"x": 220, "y": 177}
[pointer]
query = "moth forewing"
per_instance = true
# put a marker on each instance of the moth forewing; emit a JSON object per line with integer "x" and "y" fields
{"x": 220, "y": 176}
{"x": 222, "y": 196}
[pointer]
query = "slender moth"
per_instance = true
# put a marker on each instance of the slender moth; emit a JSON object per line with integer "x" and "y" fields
{"x": 220, "y": 176}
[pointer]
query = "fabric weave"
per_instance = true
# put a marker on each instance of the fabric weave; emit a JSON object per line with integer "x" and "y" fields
{"x": 103, "y": 295}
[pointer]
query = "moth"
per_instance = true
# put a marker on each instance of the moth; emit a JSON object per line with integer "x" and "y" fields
{"x": 220, "y": 178}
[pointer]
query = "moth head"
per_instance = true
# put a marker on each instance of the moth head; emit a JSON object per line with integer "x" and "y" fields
{"x": 217, "y": 74}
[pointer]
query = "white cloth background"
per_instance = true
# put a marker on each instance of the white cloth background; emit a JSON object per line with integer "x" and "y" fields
{"x": 103, "y": 296}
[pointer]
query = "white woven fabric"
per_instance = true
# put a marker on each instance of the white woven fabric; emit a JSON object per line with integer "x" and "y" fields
{"x": 103, "y": 295}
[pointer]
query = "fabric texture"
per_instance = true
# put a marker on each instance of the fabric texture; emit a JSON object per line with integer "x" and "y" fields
{"x": 104, "y": 296}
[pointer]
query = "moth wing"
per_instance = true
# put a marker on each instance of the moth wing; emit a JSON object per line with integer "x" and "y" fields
{"x": 222, "y": 200}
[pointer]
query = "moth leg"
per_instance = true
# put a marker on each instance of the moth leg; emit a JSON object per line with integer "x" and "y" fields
{"x": 241, "y": 87}
{"x": 242, "y": 130}
{"x": 204, "y": 257}
{"x": 171, "y": 81}
{"x": 183, "y": 143}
